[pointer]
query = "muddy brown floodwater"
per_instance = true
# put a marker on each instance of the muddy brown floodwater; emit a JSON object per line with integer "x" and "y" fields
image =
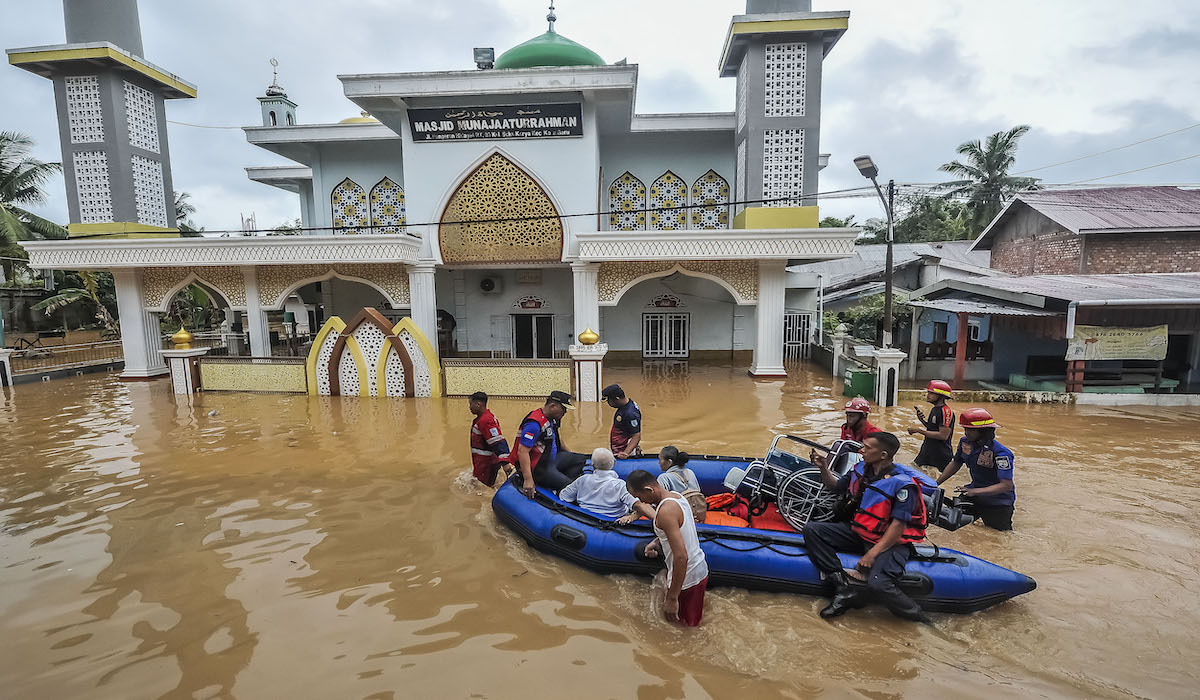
{"x": 289, "y": 546}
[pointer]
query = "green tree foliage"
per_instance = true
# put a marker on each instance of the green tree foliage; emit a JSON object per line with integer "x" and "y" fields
{"x": 183, "y": 216}
{"x": 834, "y": 222}
{"x": 22, "y": 179}
{"x": 287, "y": 228}
{"x": 926, "y": 218}
{"x": 95, "y": 289}
{"x": 983, "y": 179}
{"x": 192, "y": 308}
{"x": 865, "y": 319}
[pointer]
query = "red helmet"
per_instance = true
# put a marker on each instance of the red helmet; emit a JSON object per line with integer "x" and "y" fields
{"x": 937, "y": 386}
{"x": 858, "y": 405}
{"x": 977, "y": 418}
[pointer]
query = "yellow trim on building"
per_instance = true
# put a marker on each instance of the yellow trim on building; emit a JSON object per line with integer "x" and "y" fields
{"x": 427, "y": 349}
{"x": 782, "y": 25}
{"x": 102, "y": 52}
{"x": 120, "y": 229}
{"x": 333, "y": 325}
{"x": 381, "y": 369}
{"x": 777, "y": 217}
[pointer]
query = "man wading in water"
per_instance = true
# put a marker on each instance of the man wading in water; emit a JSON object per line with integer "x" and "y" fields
{"x": 991, "y": 494}
{"x": 936, "y": 451}
{"x": 687, "y": 570}
{"x": 889, "y": 517}
{"x": 540, "y": 455}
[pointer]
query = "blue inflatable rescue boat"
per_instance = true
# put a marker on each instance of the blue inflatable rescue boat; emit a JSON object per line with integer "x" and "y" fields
{"x": 941, "y": 580}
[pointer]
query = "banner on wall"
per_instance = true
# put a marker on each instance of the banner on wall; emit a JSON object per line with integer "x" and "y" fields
{"x": 1115, "y": 343}
{"x": 530, "y": 121}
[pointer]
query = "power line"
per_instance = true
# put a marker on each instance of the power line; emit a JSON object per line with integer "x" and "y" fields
{"x": 1111, "y": 150}
{"x": 202, "y": 126}
{"x": 1138, "y": 170}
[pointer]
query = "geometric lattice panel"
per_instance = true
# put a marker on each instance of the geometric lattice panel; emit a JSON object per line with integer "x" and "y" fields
{"x": 627, "y": 204}
{"x": 783, "y": 167}
{"x": 711, "y": 192}
{"x": 347, "y": 374}
{"x": 387, "y": 207}
{"x": 394, "y": 374}
{"x": 149, "y": 192}
{"x": 84, "y": 113}
{"x": 743, "y": 93}
{"x": 422, "y": 382}
{"x": 370, "y": 340}
{"x": 785, "y": 78}
{"x": 326, "y": 352}
{"x": 141, "y": 117}
{"x": 92, "y": 186}
{"x": 740, "y": 195}
{"x": 739, "y": 275}
{"x": 500, "y": 214}
{"x": 668, "y": 193}
{"x": 350, "y": 211}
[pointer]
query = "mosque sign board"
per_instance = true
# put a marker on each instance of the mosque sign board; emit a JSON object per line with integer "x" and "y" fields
{"x": 528, "y": 121}
{"x": 1115, "y": 343}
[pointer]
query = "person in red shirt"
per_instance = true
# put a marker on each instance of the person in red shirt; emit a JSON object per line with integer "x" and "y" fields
{"x": 489, "y": 449}
{"x": 857, "y": 427}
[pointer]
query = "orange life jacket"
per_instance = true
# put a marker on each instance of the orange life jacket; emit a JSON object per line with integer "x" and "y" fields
{"x": 876, "y": 500}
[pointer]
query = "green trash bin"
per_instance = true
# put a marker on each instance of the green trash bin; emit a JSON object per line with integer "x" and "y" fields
{"x": 859, "y": 382}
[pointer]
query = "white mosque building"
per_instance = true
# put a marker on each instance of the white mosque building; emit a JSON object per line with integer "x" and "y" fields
{"x": 517, "y": 203}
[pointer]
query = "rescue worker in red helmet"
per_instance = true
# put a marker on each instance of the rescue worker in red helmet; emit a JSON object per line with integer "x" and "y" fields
{"x": 937, "y": 429}
{"x": 889, "y": 517}
{"x": 991, "y": 494}
{"x": 857, "y": 427}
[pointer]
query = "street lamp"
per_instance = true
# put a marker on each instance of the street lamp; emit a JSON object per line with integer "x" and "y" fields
{"x": 869, "y": 170}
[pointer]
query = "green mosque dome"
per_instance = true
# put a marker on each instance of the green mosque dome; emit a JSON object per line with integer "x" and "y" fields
{"x": 548, "y": 50}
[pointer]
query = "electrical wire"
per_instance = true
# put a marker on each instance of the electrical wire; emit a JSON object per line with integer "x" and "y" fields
{"x": 1111, "y": 150}
{"x": 1138, "y": 170}
{"x": 201, "y": 126}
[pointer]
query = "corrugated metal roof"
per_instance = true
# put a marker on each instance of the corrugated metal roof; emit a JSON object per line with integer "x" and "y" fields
{"x": 1100, "y": 209}
{"x": 1099, "y": 287}
{"x": 869, "y": 259}
{"x": 981, "y": 308}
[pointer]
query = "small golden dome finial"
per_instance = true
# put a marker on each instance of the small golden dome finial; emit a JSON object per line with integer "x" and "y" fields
{"x": 589, "y": 337}
{"x": 182, "y": 339}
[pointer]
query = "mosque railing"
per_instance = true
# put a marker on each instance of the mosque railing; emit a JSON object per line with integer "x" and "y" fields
{"x": 37, "y": 359}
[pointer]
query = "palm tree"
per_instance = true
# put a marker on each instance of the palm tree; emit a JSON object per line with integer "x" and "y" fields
{"x": 21, "y": 180}
{"x": 90, "y": 291}
{"x": 183, "y": 215}
{"x": 985, "y": 183}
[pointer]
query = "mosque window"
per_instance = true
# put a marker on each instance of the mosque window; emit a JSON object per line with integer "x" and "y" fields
{"x": 500, "y": 213}
{"x": 274, "y": 121}
{"x": 710, "y": 201}
{"x": 740, "y": 194}
{"x": 387, "y": 207}
{"x": 627, "y": 204}
{"x": 783, "y": 167}
{"x": 149, "y": 192}
{"x": 349, "y": 207}
{"x": 92, "y": 184}
{"x": 141, "y": 117}
{"x": 667, "y": 203}
{"x": 785, "y": 79}
{"x": 291, "y": 121}
{"x": 743, "y": 93}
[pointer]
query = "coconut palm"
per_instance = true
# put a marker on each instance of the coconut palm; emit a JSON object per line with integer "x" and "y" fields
{"x": 21, "y": 181}
{"x": 89, "y": 291}
{"x": 984, "y": 180}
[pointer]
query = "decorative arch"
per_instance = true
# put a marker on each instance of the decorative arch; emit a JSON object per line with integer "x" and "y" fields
{"x": 668, "y": 197}
{"x": 627, "y": 203}
{"x": 368, "y": 357}
{"x": 500, "y": 213}
{"x": 531, "y": 302}
{"x": 738, "y": 277}
{"x": 711, "y": 192}
{"x": 277, "y": 282}
{"x": 161, "y": 284}
{"x": 387, "y": 207}
{"x": 349, "y": 208}
{"x": 666, "y": 301}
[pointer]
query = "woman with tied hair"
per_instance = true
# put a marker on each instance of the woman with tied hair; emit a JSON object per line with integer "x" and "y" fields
{"x": 675, "y": 476}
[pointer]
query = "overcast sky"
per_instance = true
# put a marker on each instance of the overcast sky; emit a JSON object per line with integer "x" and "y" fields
{"x": 907, "y": 84}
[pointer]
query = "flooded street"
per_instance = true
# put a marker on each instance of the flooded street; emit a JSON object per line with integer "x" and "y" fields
{"x": 263, "y": 546}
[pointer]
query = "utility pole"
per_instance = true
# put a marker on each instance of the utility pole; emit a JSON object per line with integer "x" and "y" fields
{"x": 887, "y": 284}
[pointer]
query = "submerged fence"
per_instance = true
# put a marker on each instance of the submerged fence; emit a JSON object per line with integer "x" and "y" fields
{"x": 52, "y": 358}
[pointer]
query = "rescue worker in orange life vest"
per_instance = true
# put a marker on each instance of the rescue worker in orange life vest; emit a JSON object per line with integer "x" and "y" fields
{"x": 991, "y": 494}
{"x": 889, "y": 517}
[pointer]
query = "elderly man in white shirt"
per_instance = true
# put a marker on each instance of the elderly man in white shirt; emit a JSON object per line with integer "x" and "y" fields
{"x": 603, "y": 492}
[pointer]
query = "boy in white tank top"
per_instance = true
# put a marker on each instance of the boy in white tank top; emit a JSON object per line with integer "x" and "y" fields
{"x": 677, "y": 542}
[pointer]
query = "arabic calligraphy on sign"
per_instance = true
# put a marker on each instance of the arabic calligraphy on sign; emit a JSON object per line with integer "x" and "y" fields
{"x": 500, "y": 122}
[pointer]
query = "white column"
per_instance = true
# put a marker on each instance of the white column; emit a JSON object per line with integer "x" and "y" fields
{"x": 589, "y": 370}
{"x": 423, "y": 299}
{"x": 768, "y": 344}
{"x": 256, "y": 317}
{"x": 140, "y": 336}
{"x": 6, "y": 375}
{"x": 839, "y": 344}
{"x": 585, "y": 276}
{"x": 887, "y": 363}
{"x": 184, "y": 368}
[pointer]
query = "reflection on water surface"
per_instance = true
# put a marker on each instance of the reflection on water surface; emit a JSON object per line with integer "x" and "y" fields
{"x": 293, "y": 546}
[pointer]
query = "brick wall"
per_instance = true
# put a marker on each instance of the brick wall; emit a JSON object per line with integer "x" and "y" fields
{"x": 1048, "y": 255}
{"x": 1141, "y": 252}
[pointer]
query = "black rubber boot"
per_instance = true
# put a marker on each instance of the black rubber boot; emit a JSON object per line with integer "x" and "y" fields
{"x": 845, "y": 597}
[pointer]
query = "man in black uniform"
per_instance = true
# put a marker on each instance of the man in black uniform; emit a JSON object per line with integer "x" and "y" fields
{"x": 937, "y": 430}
